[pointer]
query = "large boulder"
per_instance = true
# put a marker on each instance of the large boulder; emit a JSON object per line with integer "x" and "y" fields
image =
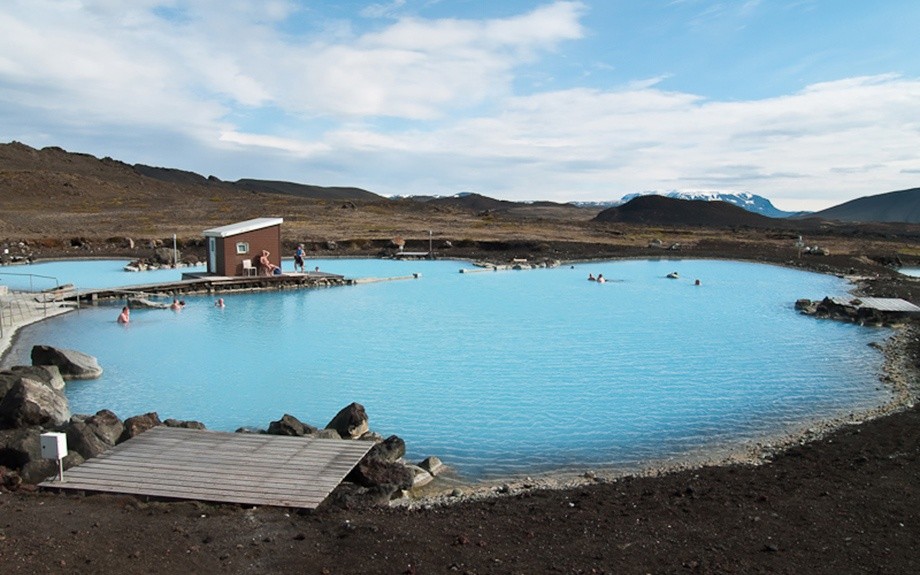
{"x": 380, "y": 467}
{"x": 377, "y": 473}
{"x": 30, "y": 402}
{"x": 139, "y": 424}
{"x": 38, "y": 470}
{"x": 393, "y": 448}
{"x": 352, "y": 496}
{"x": 290, "y": 425}
{"x": 350, "y": 422}
{"x": 93, "y": 435}
{"x": 166, "y": 256}
{"x": 184, "y": 424}
{"x": 20, "y": 446}
{"x": 106, "y": 425}
{"x": 50, "y": 375}
{"x": 327, "y": 434}
{"x": 432, "y": 465}
{"x": 420, "y": 477}
{"x": 71, "y": 363}
{"x": 7, "y": 380}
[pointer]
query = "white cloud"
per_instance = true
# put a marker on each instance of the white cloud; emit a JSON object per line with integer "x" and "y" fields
{"x": 423, "y": 106}
{"x": 292, "y": 146}
{"x": 852, "y": 137}
{"x": 382, "y": 10}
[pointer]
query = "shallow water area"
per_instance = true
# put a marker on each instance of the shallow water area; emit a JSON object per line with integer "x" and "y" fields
{"x": 912, "y": 272}
{"x": 84, "y": 274}
{"x": 497, "y": 373}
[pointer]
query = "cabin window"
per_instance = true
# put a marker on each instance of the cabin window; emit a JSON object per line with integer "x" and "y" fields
{"x": 242, "y": 247}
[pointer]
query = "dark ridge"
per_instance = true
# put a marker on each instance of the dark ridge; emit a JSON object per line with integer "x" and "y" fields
{"x": 172, "y": 176}
{"x": 546, "y": 204}
{"x": 900, "y": 206}
{"x": 306, "y": 190}
{"x": 661, "y": 210}
{"x": 473, "y": 202}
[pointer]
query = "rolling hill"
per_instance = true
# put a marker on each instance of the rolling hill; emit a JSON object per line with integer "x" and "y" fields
{"x": 900, "y": 206}
{"x": 748, "y": 201}
{"x": 662, "y": 210}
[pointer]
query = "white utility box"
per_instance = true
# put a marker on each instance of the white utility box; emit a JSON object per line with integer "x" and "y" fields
{"x": 54, "y": 445}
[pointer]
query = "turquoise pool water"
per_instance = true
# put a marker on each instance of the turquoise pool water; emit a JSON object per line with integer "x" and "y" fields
{"x": 498, "y": 373}
{"x": 913, "y": 272}
{"x": 83, "y": 274}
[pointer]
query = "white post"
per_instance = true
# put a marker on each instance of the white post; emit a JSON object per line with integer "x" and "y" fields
{"x": 430, "y": 250}
{"x": 175, "y": 253}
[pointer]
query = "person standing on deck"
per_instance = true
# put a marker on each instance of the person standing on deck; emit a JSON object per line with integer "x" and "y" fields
{"x": 299, "y": 255}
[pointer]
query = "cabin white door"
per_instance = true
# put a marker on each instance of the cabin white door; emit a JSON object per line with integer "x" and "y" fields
{"x": 212, "y": 255}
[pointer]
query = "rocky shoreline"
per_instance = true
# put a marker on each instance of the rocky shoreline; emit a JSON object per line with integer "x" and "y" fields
{"x": 831, "y": 501}
{"x": 33, "y": 403}
{"x": 898, "y": 374}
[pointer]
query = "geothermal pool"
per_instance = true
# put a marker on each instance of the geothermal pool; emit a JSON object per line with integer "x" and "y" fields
{"x": 500, "y": 373}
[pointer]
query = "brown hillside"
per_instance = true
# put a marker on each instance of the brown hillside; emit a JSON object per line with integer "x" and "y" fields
{"x": 307, "y": 191}
{"x": 472, "y": 202}
{"x": 49, "y": 197}
{"x": 901, "y": 206}
{"x": 58, "y": 195}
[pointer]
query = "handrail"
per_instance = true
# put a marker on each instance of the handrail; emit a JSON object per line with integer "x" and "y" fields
{"x": 57, "y": 283}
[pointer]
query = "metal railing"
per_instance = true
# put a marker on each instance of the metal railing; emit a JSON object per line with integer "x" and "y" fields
{"x": 32, "y": 277}
{"x": 20, "y": 305}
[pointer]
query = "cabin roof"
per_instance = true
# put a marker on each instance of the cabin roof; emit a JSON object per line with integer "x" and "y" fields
{"x": 242, "y": 227}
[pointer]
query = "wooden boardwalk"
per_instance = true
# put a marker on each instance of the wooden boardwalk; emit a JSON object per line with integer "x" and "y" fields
{"x": 252, "y": 469}
{"x": 203, "y": 283}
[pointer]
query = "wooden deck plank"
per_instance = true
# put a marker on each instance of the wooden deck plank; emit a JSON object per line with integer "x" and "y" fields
{"x": 181, "y": 484}
{"x": 224, "y": 467}
{"x": 133, "y": 472}
{"x": 298, "y": 476}
{"x": 222, "y": 463}
{"x": 209, "y": 495}
{"x": 267, "y": 452}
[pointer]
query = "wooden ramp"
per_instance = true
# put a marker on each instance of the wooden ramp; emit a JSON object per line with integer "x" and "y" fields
{"x": 252, "y": 469}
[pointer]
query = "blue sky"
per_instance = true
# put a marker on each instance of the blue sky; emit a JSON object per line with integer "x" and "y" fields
{"x": 807, "y": 102}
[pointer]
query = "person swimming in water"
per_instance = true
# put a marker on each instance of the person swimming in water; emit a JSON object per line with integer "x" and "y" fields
{"x": 125, "y": 315}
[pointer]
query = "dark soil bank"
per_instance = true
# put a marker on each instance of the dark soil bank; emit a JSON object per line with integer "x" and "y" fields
{"x": 846, "y": 503}
{"x": 843, "y": 504}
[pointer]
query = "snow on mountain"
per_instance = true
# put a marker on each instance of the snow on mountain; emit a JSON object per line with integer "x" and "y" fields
{"x": 748, "y": 201}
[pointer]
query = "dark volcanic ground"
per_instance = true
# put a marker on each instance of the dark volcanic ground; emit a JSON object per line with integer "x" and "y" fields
{"x": 845, "y": 503}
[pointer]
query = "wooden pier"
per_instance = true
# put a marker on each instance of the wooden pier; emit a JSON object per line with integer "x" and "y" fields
{"x": 203, "y": 283}
{"x": 244, "y": 468}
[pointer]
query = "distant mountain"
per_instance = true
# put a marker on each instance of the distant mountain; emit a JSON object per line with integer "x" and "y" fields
{"x": 474, "y": 202}
{"x": 901, "y": 206}
{"x": 748, "y": 201}
{"x": 416, "y": 198}
{"x": 655, "y": 209}
{"x": 307, "y": 190}
{"x": 479, "y": 203}
{"x": 183, "y": 177}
